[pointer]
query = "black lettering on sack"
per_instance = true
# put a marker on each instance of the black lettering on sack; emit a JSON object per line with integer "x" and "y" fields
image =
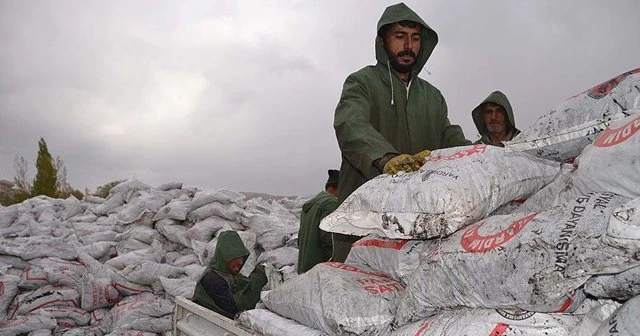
{"x": 563, "y": 244}
{"x": 582, "y": 199}
{"x": 613, "y": 323}
{"x": 603, "y": 201}
{"x": 517, "y": 315}
{"x": 439, "y": 173}
{"x": 400, "y": 178}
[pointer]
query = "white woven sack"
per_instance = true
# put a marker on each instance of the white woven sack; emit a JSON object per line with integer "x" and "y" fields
{"x": 338, "y": 298}
{"x": 564, "y": 132}
{"x": 533, "y": 261}
{"x": 26, "y": 324}
{"x": 455, "y": 187}
{"x": 8, "y": 290}
{"x": 490, "y": 322}
{"x": 97, "y": 293}
{"x": 397, "y": 258}
{"x": 269, "y": 323}
{"x": 139, "y": 306}
{"x": 623, "y": 322}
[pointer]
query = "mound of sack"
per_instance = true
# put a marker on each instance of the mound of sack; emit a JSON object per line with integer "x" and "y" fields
{"x": 113, "y": 266}
{"x": 541, "y": 237}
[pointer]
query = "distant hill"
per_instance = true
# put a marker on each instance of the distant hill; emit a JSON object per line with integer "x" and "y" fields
{"x": 264, "y": 196}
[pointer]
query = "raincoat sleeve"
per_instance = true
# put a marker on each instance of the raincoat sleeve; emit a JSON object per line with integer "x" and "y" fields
{"x": 326, "y": 241}
{"x": 359, "y": 142}
{"x": 452, "y": 135}
{"x": 248, "y": 288}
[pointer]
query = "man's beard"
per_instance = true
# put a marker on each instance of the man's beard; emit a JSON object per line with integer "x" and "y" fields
{"x": 402, "y": 68}
{"x": 496, "y": 128}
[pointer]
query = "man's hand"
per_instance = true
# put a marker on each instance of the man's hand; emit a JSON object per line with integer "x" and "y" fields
{"x": 424, "y": 154}
{"x": 403, "y": 162}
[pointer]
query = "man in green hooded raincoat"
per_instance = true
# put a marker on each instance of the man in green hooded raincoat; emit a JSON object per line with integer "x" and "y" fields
{"x": 386, "y": 112}
{"x": 494, "y": 120}
{"x": 222, "y": 288}
{"x": 314, "y": 244}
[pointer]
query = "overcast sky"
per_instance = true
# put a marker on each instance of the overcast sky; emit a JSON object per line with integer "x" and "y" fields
{"x": 241, "y": 94}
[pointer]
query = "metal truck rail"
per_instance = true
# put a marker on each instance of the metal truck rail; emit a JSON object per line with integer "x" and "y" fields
{"x": 191, "y": 319}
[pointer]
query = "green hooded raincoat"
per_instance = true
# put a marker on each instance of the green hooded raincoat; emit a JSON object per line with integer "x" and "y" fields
{"x": 314, "y": 245}
{"x": 379, "y": 114}
{"x": 245, "y": 290}
{"x": 498, "y": 98}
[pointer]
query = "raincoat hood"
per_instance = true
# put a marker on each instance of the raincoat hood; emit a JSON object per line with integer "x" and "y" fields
{"x": 401, "y": 12}
{"x": 229, "y": 247}
{"x": 499, "y": 98}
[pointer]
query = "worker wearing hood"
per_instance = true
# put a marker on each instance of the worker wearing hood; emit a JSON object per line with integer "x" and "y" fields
{"x": 222, "y": 288}
{"x": 314, "y": 244}
{"x": 386, "y": 113}
{"x": 494, "y": 120}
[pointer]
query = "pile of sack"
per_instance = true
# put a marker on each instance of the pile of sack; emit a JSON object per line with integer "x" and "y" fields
{"x": 541, "y": 237}
{"x": 113, "y": 266}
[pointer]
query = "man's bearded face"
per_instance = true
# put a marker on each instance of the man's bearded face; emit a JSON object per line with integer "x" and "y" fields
{"x": 403, "y": 45}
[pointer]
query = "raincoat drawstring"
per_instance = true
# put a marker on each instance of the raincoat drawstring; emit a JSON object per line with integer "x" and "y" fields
{"x": 390, "y": 80}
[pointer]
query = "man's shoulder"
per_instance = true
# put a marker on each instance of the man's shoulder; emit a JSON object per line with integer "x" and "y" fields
{"x": 322, "y": 198}
{"x": 217, "y": 277}
{"x": 364, "y": 73}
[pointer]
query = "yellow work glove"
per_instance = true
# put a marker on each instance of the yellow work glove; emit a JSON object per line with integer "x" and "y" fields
{"x": 424, "y": 154}
{"x": 403, "y": 162}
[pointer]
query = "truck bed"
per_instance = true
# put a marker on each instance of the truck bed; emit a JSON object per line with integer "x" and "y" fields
{"x": 191, "y": 319}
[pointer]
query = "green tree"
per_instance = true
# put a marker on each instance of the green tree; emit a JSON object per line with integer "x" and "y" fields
{"x": 46, "y": 176}
{"x": 103, "y": 191}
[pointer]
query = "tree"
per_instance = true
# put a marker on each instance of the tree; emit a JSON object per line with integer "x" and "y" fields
{"x": 103, "y": 191}
{"x": 63, "y": 187}
{"x": 46, "y": 176}
{"x": 21, "y": 185}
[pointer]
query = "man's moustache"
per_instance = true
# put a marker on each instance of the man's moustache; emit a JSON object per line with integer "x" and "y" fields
{"x": 406, "y": 53}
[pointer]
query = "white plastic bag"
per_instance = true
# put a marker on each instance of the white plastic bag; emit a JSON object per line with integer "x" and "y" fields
{"x": 533, "y": 261}
{"x": 397, "y": 258}
{"x": 179, "y": 287}
{"x": 624, "y": 321}
{"x": 202, "y": 198}
{"x": 26, "y": 324}
{"x": 97, "y": 293}
{"x": 147, "y": 272}
{"x": 47, "y": 296}
{"x": 8, "y": 290}
{"x": 135, "y": 307}
{"x": 205, "y": 229}
{"x": 338, "y": 299}
{"x": 269, "y": 323}
{"x": 563, "y": 133}
{"x": 229, "y": 211}
{"x": 273, "y": 230}
{"x": 175, "y": 209}
{"x": 454, "y": 188}
{"x": 490, "y": 322}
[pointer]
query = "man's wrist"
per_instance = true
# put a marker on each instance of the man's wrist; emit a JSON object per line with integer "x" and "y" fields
{"x": 381, "y": 162}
